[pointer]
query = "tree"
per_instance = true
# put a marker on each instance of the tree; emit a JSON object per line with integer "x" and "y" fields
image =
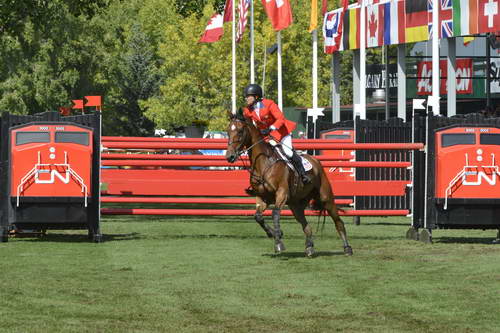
{"x": 144, "y": 58}
{"x": 14, "y": 14}
{"x": 136, "y": 79}
{"x": 43, "y": 69}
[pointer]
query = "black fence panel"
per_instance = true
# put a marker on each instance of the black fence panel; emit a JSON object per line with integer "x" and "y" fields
{"x": 393, "y": 130}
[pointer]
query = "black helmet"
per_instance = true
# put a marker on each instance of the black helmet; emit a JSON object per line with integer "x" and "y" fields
{"x": 253, "y": 89}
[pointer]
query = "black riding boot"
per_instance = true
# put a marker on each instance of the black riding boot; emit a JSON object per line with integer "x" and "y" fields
{"x": 297, "y": 164}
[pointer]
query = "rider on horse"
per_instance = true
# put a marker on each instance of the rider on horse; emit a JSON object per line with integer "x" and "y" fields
{"x": 268, "y": 117}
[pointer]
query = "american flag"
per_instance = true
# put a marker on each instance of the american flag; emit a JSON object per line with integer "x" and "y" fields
{"x": 243, "y": 6}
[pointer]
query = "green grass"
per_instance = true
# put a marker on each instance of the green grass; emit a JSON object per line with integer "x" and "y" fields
{"x": 220, "y": 275}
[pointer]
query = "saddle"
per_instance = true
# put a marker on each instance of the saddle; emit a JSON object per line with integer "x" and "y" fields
{"x": 305, "y": 162}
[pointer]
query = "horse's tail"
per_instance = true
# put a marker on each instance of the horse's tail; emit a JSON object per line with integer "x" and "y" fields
{"x": 318, "y": 205}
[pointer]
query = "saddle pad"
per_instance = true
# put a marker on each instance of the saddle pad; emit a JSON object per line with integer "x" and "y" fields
{"x": 305, "y": 162}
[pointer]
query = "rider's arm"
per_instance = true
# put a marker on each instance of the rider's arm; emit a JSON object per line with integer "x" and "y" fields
{"x": 277, "y": 114}
{"x": 246, "y": 113}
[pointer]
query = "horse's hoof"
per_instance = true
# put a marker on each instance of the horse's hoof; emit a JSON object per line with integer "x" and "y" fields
{"x": 348, "y": 251}
{"x": 279, "y": 247}
{"x": 309, "y": 252}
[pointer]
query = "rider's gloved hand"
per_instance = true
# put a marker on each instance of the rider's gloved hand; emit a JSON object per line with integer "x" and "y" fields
{"x": 265, "y": 131}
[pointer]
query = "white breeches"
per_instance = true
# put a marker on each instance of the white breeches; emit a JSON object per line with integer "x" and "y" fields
{"x": 286, "y": 144}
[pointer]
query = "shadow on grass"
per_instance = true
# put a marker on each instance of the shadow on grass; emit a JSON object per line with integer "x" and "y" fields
{"x": 214, "y": 236}
{"x": 68, "y": 238}
{"x": 301, "y": 255}
{"x": 83, "y": 238}
{"x": 466, "y": 240}
{"x": 385, "y": 223}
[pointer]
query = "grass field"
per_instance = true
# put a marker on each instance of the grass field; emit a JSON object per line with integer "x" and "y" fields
{"x": 220, "y": 275}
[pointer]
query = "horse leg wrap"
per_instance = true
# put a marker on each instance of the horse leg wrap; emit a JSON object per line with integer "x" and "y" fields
{"x": 309, "y": 242}
{"x": 260, "y": 220}
{"x": 276, "y": 223}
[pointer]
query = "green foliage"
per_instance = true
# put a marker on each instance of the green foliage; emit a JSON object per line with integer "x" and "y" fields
{"x": 197, "y": 77}
{"x": 189, "y": 7}
{"x": 42, "y": 69}
{"x": 134, "y": 77}
{"x": 15, "y": 14}
{"x": 144, "y": 58}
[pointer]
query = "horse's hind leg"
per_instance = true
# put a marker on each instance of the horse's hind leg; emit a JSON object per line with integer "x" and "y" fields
{"x": 326, "y": 197}
{"x": 298, "y": 212}
{"x": 281, "y": 199}
{"x": 261, "y": 206}
{"x": 339, "y": 225}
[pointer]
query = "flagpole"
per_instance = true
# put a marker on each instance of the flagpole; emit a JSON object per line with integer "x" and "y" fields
{"x": 280, "y": 86}
{"x": 233, "y": 93}
{"x": 252, "y": 54}
{"x": 315, "y": 77}
{"x": 315, "y": 68}
{"x": 435, "y": 57}
{"x": 362, "y": 60}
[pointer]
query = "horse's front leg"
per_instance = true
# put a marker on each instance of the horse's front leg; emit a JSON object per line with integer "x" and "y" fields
{"x": 281, "y": 198}
{"x": 260, "y": 207}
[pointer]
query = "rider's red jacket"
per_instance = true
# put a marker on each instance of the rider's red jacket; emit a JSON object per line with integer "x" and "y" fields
{"x": 266, "y": 113}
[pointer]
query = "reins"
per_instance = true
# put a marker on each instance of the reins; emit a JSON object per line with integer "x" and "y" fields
{"x": 257, "y": 178}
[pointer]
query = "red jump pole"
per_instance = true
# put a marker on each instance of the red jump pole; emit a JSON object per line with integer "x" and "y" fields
{"x": 240, "y": 212}
{"x": 235, "y": 201}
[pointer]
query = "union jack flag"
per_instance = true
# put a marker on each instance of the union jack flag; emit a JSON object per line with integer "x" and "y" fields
{"x": 243, "y": 6}
{"x": 445, "y": 18}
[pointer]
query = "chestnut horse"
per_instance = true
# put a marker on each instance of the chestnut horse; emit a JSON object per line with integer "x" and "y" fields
{"x": 273, "y": 182}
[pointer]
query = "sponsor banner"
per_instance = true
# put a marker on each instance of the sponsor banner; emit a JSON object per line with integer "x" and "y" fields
{"x": 495, "y": 75}
{"x": 375, "y": 78}
{"x": 464, "y": 75}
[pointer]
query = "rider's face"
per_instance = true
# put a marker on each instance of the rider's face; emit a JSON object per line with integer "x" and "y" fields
{"x": 250, "y": 100}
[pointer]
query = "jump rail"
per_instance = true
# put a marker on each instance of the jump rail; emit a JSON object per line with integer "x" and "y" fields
{"x": 145, "y": 174}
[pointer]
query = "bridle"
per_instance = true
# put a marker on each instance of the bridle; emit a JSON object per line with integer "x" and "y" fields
{"x": 242, "y": 141}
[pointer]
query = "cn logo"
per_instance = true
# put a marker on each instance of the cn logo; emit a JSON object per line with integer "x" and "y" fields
{"x": 492, "y": 179}
{"x": 53, "y": 174}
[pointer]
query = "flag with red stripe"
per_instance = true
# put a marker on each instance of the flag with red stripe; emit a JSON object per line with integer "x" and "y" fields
{"x": 243, "y": 6}
{"x": 375, "y": 25}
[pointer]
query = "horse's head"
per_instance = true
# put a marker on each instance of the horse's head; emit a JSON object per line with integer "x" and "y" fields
{"x": 239, "y": 136}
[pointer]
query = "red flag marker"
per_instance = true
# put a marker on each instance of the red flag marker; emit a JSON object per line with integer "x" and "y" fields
{"x": 77, "y": 104}
{"x": 64, "y": 111}
{"x": 93, "y": 101}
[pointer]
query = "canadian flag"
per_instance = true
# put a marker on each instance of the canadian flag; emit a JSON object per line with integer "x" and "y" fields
{"x": 214, "y": 30}
{"x": 279, "y": 12}
{"x": 375, "y": 25}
